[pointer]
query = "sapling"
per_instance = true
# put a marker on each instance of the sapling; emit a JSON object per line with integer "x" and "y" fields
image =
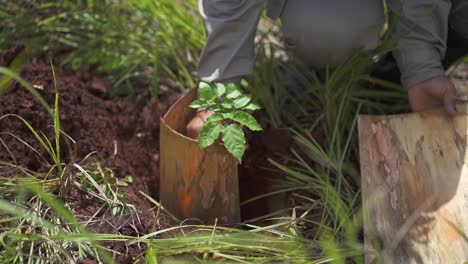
{"x": 229, "y": 106}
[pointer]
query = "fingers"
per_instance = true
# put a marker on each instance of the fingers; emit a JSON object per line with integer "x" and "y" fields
{"x": 413, "y": 98}
{"x": 421, "y": 100}
{"x": 438, "y": 92}
{"x": 194, "y": 127}
{"x": 450, "y": 100}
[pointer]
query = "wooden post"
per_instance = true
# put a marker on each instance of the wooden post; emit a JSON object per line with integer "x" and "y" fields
{"x": 414, "y": 176}
{"x": 195, "y": 183}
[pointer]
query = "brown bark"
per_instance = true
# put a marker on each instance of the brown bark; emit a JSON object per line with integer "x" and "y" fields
{"x": 196, "y": 183}
{"x": 414, "y": 187}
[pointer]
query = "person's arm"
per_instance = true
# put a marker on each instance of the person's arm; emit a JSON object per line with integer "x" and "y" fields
{"x": 229, "y": 52}
{"x": 422, "y": 27}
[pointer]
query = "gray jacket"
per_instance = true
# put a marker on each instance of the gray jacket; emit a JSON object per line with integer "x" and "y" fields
{"x": 421, "y": 26}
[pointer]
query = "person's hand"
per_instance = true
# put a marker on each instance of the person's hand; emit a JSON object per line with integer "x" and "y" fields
{"x": 196, "y": 124}
{"x": 434, "y": 93}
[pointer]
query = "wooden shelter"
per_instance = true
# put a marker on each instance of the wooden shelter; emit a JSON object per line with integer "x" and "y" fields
{"x": 197, "y": 184}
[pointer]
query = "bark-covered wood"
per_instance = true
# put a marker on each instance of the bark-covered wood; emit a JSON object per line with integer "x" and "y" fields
{"x": 414, "y": 178}
{"x": 196, "y": 183}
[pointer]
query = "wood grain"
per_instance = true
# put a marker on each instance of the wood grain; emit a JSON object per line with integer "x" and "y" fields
{"x": 198, "y": 184}
{"x": 414, "y": 177}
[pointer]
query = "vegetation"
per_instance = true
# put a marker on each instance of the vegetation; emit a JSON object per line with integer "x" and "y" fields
{"x": 227, "y": 103}
{"x": 141, "y": 46}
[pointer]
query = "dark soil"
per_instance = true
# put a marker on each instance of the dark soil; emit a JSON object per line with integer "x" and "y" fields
{"x": 119, "y": 134}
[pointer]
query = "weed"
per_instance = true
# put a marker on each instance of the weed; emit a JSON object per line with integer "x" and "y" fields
{"x": 95, "y": 178}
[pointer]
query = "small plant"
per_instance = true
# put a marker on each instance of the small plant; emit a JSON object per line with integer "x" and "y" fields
{"x": 229, "y": 106}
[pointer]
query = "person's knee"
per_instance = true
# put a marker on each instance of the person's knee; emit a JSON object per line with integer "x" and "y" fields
{"x": 320, "y": 39}
{"x": 331, "y": 49}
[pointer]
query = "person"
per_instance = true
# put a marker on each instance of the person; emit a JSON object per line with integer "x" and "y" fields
{"x": 431, "y": 34}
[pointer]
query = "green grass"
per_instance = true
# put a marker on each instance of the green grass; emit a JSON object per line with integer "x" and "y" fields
{"x": 139, "y": 45}
{"x": 322, "y": 169}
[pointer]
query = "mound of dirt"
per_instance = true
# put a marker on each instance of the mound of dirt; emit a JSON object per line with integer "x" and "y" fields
{"x": 119, "y": 134}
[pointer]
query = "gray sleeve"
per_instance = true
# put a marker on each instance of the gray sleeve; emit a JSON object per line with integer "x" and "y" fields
{"x": 229, "y": 52}
{"x": 459, "y": 17}
{"x": 421, "y": 27}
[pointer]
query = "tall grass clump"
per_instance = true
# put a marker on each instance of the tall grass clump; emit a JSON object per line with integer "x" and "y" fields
{"x": 139, "y": 45}
{"x": 321, "y": 173}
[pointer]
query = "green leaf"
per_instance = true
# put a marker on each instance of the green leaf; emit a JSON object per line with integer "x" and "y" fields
{"x": 128, "y": 179}
{"x": 231, "y": 88}
{"x": 247, "y": 120}
{"x": 215, "y": 118}
{"x": 234, "y": 95}
{"x": 227, "y": 115}
{"x": 216, "y": 108}
{"x": 252, "y": 107}
{"x": 234, "y": 140}
{"x": 205, "y": 91}
{"x": 150, "y": 257}
{"x": 197, "y": 104}
{"x": 209, "y": 133}
{"x": 115, "y": 210}
{"x": 242, "y": 101}
{"x": 15, "y": 66}
{"x": 233, "y": 92}
{"x": 220, "y": 89}
{"x": 227, "y": 103}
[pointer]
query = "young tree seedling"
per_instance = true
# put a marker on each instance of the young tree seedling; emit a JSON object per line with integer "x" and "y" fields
{"x": 229, "y": 105}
